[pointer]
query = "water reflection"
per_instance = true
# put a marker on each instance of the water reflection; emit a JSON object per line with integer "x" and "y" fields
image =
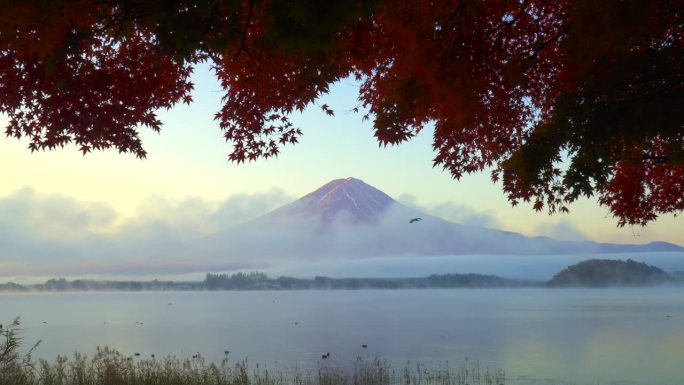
{"x": 582, "y": 336}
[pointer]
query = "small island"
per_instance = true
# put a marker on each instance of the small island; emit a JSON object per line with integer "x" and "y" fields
{"x": 610, "y": 273}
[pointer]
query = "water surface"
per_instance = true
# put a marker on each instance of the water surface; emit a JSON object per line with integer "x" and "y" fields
{"x": 585, "y": 336}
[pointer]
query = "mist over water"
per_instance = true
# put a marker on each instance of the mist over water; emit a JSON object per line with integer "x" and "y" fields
{"x": 533, "y": 267}
{"x": 584, "y": 336}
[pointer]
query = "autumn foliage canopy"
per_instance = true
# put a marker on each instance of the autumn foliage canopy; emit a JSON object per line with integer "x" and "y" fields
{"x": 560, "y": 99}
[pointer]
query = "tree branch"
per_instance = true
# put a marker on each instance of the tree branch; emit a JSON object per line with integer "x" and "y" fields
{"x": 244, "y": 32}
{"x": 548, "y": 42}
{"x": 656, "y": 158}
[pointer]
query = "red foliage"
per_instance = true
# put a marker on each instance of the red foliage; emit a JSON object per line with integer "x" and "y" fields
{"x": 61, "y": 86}
{"x": 638, "y": 192}
{"x": 486, "y": 73}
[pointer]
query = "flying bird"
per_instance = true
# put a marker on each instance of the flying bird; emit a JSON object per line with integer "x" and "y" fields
{"x": 415, "y": 220}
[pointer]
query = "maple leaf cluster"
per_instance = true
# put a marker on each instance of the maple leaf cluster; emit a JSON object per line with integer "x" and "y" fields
{"x": 561, "y": 99}
{"x": 68, "y": 79}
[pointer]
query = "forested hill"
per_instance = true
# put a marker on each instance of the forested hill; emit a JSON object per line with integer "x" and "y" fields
{"x": 605, "y": 272}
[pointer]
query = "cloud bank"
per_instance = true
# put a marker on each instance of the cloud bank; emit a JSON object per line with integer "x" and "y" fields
{"x": 49, "y": 235}
{"x": 56, "y": 235}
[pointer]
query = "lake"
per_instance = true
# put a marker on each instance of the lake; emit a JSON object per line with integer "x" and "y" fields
{"x": 609, "y": 336}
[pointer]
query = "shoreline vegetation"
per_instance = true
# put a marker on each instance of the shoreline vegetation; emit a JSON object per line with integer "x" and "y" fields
{"x": 588, "y": 273}
{"x": 110, "y": 367}
{"x": 260, "y": 281}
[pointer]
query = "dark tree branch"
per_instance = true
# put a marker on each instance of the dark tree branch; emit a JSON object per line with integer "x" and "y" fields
{"x": 548, "y": 42}
{"x": 657, "y": 159}
{"x": 244, "y": 32}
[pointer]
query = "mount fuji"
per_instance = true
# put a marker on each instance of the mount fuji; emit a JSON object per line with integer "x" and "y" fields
{"x": 350, "y": 219}
{"x": 350, "y": 198}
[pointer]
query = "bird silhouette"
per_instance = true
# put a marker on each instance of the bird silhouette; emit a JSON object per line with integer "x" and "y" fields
{"x": 415, "y": 220}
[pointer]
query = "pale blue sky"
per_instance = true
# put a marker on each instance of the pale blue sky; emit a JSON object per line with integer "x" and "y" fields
{"x": 187, "y": 162}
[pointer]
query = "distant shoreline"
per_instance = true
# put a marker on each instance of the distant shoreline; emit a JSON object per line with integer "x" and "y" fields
{"x": 260, "y": 282}
{"x": 257, "y": 281}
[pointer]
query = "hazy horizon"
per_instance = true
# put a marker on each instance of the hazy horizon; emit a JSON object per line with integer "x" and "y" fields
{"x": 169, "y": 242}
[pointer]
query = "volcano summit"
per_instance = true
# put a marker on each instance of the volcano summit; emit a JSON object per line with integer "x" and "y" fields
{"x": 348, "y": 218}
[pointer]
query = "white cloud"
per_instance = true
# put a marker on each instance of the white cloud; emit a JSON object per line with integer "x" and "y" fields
{"x": 564, "y": 229}
{"x": 453, "y": 212}
{"x": 50, "y": 234}
{"x": 159, "y": 219}
{"x": 53, "y": 217}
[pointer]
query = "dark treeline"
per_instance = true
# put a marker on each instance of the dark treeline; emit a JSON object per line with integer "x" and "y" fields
{"x": 61, "y": 284}
{"x": 259, "y": 281}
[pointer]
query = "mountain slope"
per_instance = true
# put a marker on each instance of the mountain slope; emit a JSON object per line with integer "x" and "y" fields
{"x": 349, "y": 218}
{"x": 351, "y": 197}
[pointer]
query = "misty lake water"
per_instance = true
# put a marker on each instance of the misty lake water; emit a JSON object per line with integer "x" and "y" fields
{"x": 584, "y": 336}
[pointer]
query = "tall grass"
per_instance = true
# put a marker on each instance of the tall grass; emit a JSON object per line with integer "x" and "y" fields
{"x": 15, "y": 368}
{"x": 109, "y": 367}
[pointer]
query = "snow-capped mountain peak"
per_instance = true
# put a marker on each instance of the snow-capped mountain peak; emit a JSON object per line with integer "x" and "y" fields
{"x": 350, "y": 197}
